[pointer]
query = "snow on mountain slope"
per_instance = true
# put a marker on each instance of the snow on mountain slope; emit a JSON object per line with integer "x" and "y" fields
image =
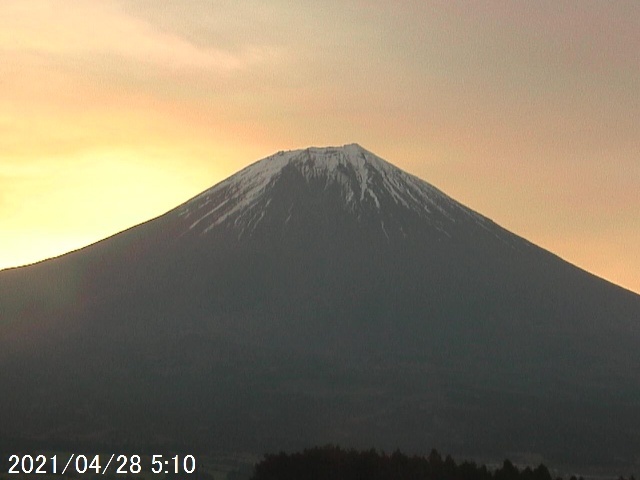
{"x": 368, "y": 185}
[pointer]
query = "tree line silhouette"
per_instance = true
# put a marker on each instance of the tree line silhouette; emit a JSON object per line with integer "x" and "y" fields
{"x": 335, "y": 463}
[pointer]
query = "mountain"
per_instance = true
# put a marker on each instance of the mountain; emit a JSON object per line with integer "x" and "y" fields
{"x": 321, "y": 296}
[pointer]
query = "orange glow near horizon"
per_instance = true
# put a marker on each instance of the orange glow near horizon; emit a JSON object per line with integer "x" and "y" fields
{"x": 112, "y": 113}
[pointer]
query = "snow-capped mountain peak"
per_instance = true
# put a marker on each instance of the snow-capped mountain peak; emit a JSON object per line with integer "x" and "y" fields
{"x": 368, "y": 186}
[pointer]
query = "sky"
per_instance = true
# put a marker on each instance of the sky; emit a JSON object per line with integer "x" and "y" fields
{"x": 113, "y": 112}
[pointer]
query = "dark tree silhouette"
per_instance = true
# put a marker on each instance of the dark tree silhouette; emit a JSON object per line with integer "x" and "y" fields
{"x": 334, "y": 463}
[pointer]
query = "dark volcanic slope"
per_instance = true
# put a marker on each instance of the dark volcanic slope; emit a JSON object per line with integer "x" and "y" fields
{"x": 322, "y": 295}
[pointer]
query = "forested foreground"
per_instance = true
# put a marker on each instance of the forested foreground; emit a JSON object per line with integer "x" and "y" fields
{"x": 334, "y": 463}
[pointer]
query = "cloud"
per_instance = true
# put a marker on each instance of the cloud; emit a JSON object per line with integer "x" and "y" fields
{"x": 68, "y": 28}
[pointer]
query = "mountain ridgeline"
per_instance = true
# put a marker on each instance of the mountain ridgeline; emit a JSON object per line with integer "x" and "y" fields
{"x": 322, "y": 296}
